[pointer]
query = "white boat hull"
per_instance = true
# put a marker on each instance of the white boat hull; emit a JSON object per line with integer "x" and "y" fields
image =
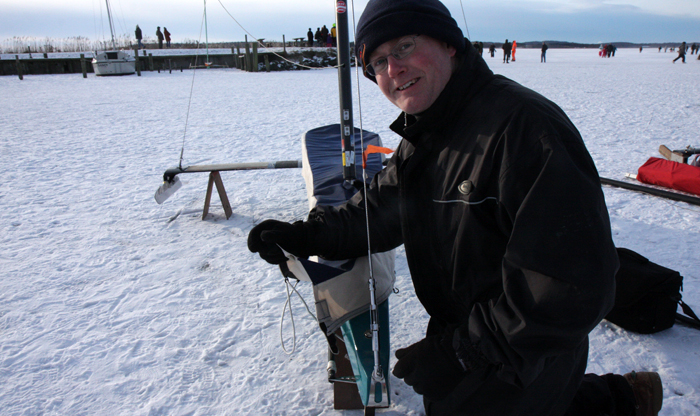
{"x": 113, "y": 63}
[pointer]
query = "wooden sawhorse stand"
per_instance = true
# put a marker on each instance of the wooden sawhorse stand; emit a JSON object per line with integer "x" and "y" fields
{"x": 215, "y": 179}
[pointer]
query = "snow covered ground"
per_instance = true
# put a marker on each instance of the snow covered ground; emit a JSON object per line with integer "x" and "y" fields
{"x": 113, "y": 305}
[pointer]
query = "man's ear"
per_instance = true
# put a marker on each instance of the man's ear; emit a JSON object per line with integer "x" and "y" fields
{"x": 450, "y": 49}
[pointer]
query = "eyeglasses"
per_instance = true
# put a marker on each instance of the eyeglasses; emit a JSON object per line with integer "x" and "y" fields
{"x": 403, "y": 48}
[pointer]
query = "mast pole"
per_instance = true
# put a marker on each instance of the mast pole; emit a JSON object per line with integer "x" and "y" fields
{"x": 206, "y": 32}
{"x": 378, "y": 386}
{"x": 347, "y": 132}
{"x": 111, "y": 29}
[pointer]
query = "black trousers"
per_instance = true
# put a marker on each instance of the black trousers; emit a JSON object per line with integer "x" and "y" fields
{"x": 607, "y": 395}
{"x": 554, "y": 393}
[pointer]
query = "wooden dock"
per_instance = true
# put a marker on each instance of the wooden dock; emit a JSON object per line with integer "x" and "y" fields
{"x": 247, "y": 59}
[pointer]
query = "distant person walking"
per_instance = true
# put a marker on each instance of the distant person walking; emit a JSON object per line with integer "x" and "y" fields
{"x": 139, "y": 36}
{"x": 507, "y": 48}
{"x": 167, "y": 36}
{"x": 543, "y": 57}
{"x": 492, "y": 50}
{"x": 515, "y": 44}
{"x": 334, "y": 35}
{"x": 310, "y": 37}
{"x": 159, "y": 35}
{"x": 681, "y": 53}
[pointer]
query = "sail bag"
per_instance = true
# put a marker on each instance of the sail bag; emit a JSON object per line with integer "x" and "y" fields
{"x": 341, "y": 290}
{"x": 670, "y": 174}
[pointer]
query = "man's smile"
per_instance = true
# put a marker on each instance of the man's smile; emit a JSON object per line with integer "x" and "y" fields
{"x": 408, "y": 84}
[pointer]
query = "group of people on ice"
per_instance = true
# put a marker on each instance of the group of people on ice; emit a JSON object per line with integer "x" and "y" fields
{"x": 509, "y": 50}
{"x": 161, "y": 36}
{"x": 499, "y": 207}
{"x": 607, "y": 51}
{"x": 323, "y": 36}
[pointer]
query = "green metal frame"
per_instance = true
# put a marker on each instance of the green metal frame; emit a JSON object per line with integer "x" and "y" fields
{"x": 360, "y": 353}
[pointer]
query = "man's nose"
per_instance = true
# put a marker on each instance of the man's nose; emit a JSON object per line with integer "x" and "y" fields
{"x": 394, "y": 66}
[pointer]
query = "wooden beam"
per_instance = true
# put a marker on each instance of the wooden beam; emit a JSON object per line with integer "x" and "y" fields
{"x": 282, "y": 164}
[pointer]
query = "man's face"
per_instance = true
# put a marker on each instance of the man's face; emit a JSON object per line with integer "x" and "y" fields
{"x": 415, "y": 82}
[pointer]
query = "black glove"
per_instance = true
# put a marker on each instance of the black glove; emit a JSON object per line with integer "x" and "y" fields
{"x": 267, "y": 237}
{"x": 431, "y": 366}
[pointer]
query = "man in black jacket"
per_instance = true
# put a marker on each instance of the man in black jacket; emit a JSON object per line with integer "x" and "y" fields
{"x": 543, "y": 57}
{"x": 139, "y": 36}
{"x": 681, "y": 52}
{"x": 507, "y": 236}
{"x": 159, "y": 35}
{"x": 507, "y": 49}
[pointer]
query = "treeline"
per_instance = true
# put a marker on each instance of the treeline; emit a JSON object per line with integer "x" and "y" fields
{"x": 28, "y": 44}
{"x": 557, "y": 44}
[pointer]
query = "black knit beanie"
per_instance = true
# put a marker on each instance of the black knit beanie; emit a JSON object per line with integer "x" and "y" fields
{"x": 384, "y": 20}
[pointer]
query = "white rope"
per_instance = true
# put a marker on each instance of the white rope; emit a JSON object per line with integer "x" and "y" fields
{"x": 263, "y": 45}
{"x": 291, "y": 315}
{"x": 189, "y": 103}
{"x": 362, "y": 147}
{"x": 465, "y": 19}
{"x": 378, "y": 372}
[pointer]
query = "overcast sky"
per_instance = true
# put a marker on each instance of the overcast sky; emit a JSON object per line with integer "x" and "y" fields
{"x": 589, "y": 21}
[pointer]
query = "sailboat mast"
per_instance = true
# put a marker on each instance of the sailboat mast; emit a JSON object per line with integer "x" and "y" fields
{"x": 111, "y": 29}
{"x": 378, "y": 385}
{"x": 347, "y": 131}
{"x": 206, "y": 30}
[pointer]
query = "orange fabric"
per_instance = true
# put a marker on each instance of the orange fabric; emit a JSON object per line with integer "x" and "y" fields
{"x": 374, "y": 149}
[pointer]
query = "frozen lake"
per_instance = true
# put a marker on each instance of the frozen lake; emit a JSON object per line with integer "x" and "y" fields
{"x": 112, "y": 304}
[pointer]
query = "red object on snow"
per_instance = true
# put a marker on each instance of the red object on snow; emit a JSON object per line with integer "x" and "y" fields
{"x": 670, "y": 174}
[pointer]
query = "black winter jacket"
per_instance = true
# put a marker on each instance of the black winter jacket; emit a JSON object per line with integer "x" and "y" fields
{"x": 507, "y": 236}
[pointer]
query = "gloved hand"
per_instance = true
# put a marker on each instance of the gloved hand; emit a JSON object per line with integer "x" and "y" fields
{"x": 297, "y": 238}
{"x": 431, "y": 367}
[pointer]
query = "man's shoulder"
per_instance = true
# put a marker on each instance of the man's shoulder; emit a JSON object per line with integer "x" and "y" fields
{"x": 506, "y": 100}
{"x": 504, "y": 91}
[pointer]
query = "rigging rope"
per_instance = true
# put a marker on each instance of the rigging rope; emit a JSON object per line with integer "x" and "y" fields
{"x": 122, "y": 23}
{"x": 362, "y": 146}
{"x": 189, "y": 103}
{"x": 378, "y": 371}
{"x": 465, "y": 20}
{"x": 263, "y": 45}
